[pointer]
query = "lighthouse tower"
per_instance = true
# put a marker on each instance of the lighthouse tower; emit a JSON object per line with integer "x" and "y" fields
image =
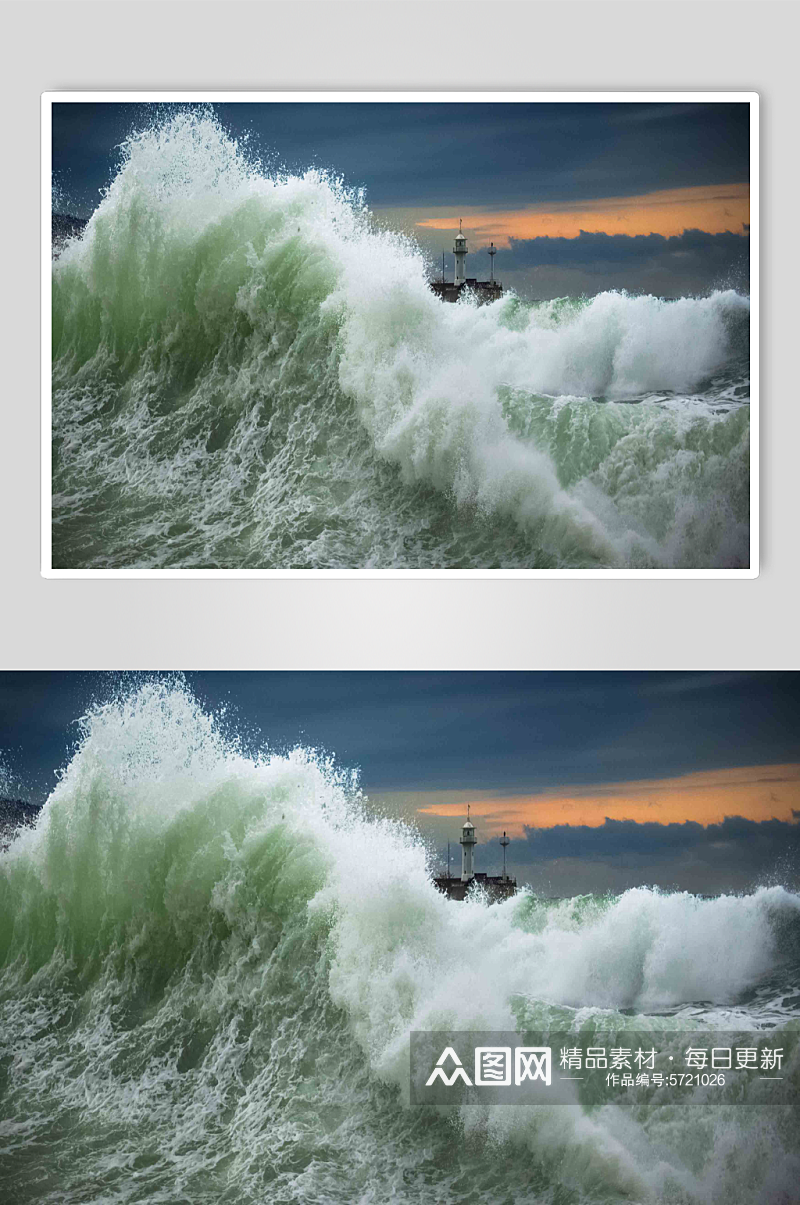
{"x": 460, "y": 252}
{"x": 467, "y": 841}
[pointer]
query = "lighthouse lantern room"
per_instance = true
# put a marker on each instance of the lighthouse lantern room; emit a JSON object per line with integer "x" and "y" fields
{"x": 460, "y": 252}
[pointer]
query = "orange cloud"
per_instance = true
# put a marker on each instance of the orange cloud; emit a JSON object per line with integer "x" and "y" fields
{"x": 707, "y": 797}
{"x": 713, "y": 208}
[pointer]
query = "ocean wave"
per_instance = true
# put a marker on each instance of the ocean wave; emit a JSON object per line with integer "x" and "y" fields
{"x": 249, "y": 372}
{"x": 211, "y": 961}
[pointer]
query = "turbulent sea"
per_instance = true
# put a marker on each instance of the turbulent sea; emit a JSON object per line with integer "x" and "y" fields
{"x": 211, "y": 961}
{"x": 249, "y": 372}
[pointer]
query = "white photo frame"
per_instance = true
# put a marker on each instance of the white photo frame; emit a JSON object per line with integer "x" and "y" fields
{"x": 214, "y": 97}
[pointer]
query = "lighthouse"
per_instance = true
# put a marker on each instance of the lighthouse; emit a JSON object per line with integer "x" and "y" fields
{"x": 460, "y": 251}
{"x": 459, "y": 888}
{"x": 479, "y": 291}
{"x": 467, "y": 841}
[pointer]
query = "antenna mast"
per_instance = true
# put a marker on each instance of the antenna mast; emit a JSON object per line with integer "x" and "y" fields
{"x": 504, "y": 841}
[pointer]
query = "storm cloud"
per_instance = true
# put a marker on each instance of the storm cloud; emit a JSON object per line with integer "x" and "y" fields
{"x": 595, "y": 250}
{"x": 614, "y": 838}
{"x": 694, "y": 261}
{"x": 735, "y": 855}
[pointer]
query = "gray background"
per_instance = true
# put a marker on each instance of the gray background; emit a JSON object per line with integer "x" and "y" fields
{"x": 399, "y": 623}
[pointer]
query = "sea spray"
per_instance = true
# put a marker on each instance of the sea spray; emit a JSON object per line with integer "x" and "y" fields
{"x": 249, "y": 372}
{"x": 211, "y": 959}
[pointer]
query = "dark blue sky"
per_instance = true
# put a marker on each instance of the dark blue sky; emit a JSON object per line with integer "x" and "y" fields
{"x": 506, "y": 732}
{"x": 418, "y": 158}
{"x": 445, "y": 154}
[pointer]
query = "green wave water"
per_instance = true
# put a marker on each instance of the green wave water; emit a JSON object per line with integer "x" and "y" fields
{"x": 249, "y": 373}
{"x": 211, "y": 962}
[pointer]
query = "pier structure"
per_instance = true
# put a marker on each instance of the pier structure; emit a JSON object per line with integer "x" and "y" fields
{"x": 484, "y": 290}
{"x": 456, "y": 887}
